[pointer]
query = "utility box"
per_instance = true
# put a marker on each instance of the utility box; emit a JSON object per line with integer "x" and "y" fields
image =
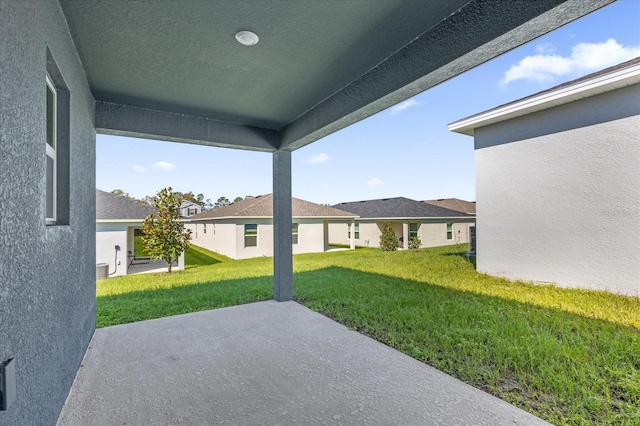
{"x": 102, "y": 271}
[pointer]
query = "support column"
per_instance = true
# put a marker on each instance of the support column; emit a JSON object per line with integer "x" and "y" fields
{"x": 282, "y": 220}
{"x": 352, "y": 238}
{"x": 405, "y": 235}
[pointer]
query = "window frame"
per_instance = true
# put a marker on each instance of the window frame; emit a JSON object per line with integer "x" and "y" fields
{"x": 356, "y": 231}
{"x": 51, "y": 152}
{"x": 250, "y": 235}
{"x": 449, "y": 230}
{"x": 413, "y": 233}
{"x": 295, "y": 232}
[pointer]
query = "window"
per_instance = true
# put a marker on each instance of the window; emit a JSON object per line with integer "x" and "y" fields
{"x": 356, "y": 231}
{"x": 449, "y": 231}
{"x": 191, "y": 211}
{"x": 251, "y": 235}
{"x": 204, "y": 228}
{"x": 413, "y": 230}
{"x": 51, "y": 146}
{"x": 294, "y": 233}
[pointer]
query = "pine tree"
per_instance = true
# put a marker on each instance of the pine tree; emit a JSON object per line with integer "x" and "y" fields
{"x": 388, "y": 240}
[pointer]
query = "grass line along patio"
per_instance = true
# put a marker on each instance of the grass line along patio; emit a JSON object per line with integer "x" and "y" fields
{"x": 567, "y": 356}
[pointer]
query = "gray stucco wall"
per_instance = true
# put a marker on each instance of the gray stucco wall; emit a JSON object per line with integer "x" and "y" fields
{"x": 47, "y": 273}
{"x": 558, "y": 194}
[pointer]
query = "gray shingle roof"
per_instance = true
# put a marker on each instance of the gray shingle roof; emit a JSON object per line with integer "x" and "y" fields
{"x": 262, "y": 206}
{"x": 456, "y": 204}
{"x": 398, "y": 207}
{"x": 116, "y": 207}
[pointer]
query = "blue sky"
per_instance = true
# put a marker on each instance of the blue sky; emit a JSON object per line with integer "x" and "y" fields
{"x": 405, "y": 150}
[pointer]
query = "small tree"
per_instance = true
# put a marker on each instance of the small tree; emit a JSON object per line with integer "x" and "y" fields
{"x": 222, "y": 201}
{"x": 388, "y": 240}
{"x": 164, "y": 236}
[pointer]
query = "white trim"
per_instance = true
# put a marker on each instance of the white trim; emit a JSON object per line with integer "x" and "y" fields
{"x": 51, "y": 152}
{"x": 579, "y": 90}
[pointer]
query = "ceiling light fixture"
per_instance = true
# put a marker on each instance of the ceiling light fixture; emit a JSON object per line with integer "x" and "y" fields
{"x": 247, "y": 38}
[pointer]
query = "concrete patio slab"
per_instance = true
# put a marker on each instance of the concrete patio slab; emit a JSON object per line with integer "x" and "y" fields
{"x": 265, "y": 363}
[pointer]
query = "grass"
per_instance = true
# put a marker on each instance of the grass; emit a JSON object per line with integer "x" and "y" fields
{"x": 568, "y": 356}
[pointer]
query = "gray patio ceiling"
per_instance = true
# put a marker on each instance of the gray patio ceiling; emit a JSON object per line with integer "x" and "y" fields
{"x": 172, "y": 70}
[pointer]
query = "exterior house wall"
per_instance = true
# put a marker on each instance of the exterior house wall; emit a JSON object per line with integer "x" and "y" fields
{"x": 229, "y": 237}
{"x": 560, "y": 201}
{"x": 109, "y": 235}
{"x": 47, "y": 273}
{"x": 432, "y": 233}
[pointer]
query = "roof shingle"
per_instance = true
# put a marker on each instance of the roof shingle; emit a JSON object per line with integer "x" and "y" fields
{"x": 116, "y": 207}
{"x": 468, "y": 207}
{"x": 398, "y": 207}
{"x": 262, "y": 206}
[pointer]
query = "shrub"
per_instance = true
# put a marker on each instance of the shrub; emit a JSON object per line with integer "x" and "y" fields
{"x": 415, "y": 243}
{"x": 388, "y": 239}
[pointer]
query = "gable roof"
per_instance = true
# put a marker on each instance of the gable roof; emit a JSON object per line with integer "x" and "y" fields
{"x": 399, "y": 207}
{"x": 615, "y": 77}
{"x": 187, "y": 203}
{"x": 262, "y": 206}
{"x": 468, "y": 207}
{"x": 111, "y": 207}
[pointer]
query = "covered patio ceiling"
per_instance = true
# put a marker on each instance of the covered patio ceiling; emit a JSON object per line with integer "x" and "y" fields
{"x": 172, "y": 70}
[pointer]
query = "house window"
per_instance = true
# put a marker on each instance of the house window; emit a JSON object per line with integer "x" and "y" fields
{"x": 356, "y": 231}
{"x": 449, "y": 231}
{"x": 204, "y": 228}
{"x": 294, "y": 233}
{"x": 413, "y": 230}
{"x": 50, "y": 147}
{"x": 250, "y": 235}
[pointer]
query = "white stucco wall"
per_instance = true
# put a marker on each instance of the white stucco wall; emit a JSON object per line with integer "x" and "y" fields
{"x": 558, "y": 194}
{"x": 432, "y": 233}
{"x": 228, "y": 237}
{"x": 109, "y": 235}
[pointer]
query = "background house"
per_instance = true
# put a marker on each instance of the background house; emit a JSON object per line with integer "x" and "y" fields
{"x": 435, "y": 226}
{"x": 188, "y": 209}
{"x": 245, "y": 229}
{"x": 557, "y": 183}
{"x": 119, "y": 222}
{"x": 468, "y": 207}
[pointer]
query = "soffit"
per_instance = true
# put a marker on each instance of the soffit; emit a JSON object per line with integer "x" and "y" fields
{"x": 181, "y": 56}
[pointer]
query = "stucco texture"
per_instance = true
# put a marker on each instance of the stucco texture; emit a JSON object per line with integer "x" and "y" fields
{"x": 558, "y": 194}
{"x": 47, "y": 275}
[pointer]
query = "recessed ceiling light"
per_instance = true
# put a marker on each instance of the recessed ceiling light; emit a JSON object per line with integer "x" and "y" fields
{"x": 247, "y": 38}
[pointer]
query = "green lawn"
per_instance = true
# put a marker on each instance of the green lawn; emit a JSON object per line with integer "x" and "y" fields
{"x": 568, "y": 356}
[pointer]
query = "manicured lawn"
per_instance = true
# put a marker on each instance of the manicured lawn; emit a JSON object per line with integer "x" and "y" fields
{"x": 568, "y": 356}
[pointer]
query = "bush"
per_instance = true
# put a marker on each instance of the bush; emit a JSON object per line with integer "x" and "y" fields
{"x": 388, "y": 240}
{"x": 415, "y": 243}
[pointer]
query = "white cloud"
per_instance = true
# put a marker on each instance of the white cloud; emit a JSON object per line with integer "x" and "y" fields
{"x": 374, "y": 182}
{"x": 163, "y": 166}
{"x": 585, "y": 57}
{"x": 138, "y": 169}
{"x": 404, "y": 105}
{"x": 319, "y": 158}
{"x": 545, "y": 48}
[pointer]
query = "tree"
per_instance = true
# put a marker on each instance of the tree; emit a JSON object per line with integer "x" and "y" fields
{"x": 164, "y": 236}
{"x": 415, "y": 242}
{"x": 237, "y": 199}
{"x": 388, "y": 240}
{"x": 222, "y": 201}
{"x": 121, "y": 193}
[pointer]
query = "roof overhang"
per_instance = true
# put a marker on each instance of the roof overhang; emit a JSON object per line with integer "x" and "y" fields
{"x": 271, "y": 218}
{"x": 549, "y": 99}
{"x": 173, "y": 71}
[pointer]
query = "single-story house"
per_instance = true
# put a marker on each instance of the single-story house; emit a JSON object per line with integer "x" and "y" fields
{"x": 468, "y": 207}
{"x": 118, "y": 235}
{"x": 558, "y": 183}
{"x": 188, "y": 208}
{"x": 245, "y": 229}
{"x": 435, "y": 226}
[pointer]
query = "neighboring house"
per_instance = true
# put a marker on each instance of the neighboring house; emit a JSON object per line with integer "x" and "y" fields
{"x": 118, "y": 224}
{"x": 245, "y": 229}
{"x": 435, "y": 226}
{"x": 188, "y": 209}
{"x": 468, "y": 207}
{"x": 558, "y": 183}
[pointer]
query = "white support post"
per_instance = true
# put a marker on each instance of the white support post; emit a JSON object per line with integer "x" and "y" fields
{"x": 352, "y": 237}
{"x": 405, "y": 235}
{"x": 282, "y": 220}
